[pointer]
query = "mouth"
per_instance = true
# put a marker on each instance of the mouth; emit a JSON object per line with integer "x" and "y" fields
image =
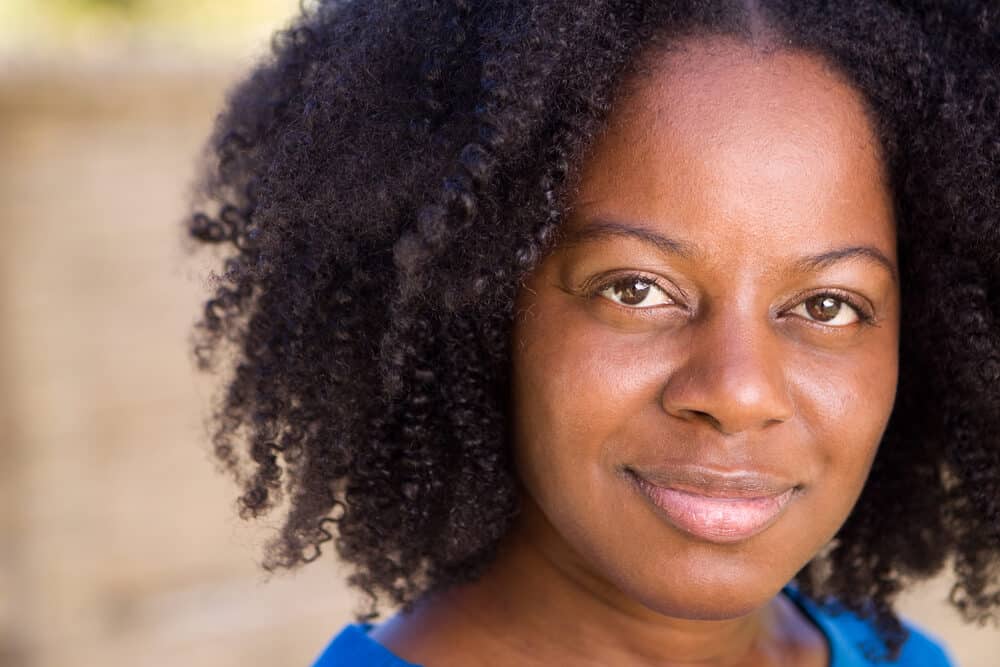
{"x": 723, "y": 509}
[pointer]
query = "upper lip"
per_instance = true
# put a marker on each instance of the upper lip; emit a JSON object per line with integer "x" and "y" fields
{"x": 712, "y": 482}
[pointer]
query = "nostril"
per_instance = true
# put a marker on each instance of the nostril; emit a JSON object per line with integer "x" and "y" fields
{"x": 700, "y": 414}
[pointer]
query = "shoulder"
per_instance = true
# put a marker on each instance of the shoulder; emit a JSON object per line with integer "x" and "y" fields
{"x": 853, "y": 639}
{"x": 354, "y": 647}
{"x": 922, "y": 648}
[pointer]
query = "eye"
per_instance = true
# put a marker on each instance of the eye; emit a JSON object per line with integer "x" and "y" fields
{"x": 829, "y": 310}
{"x": 635, "y": 292}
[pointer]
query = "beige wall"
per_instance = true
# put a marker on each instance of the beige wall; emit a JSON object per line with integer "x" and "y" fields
{"x": 120, "y": 544}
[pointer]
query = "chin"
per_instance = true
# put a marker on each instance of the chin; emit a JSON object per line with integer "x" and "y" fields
{"x": 712, "y": 610}
{"x": 698, "y": 584}
{"x": 705, "y": 601}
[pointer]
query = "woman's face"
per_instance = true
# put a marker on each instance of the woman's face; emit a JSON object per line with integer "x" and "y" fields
{"x": 704, "y": 366}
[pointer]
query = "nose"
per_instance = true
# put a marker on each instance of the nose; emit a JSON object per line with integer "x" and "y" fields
{"x": 733, "y": 377}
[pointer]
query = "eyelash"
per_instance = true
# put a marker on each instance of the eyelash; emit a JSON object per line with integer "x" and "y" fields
{"x": 593, "y": 289}
{"x": 865, "y": 316}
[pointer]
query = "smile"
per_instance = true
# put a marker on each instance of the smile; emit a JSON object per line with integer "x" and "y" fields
{"x": 724, "y": 513}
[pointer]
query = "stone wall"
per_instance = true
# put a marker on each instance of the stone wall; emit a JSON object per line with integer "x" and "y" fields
{"x": 120, "y": 543}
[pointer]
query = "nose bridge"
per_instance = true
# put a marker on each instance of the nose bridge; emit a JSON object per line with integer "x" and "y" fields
{"x": 733, "y": 375}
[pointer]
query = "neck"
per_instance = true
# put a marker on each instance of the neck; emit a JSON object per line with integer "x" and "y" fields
{"x": 538, "y": 605}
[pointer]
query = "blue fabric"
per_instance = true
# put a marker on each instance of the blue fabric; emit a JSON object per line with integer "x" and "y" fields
{"x": 849, "y": 637}
{"x": 354, "y": 648}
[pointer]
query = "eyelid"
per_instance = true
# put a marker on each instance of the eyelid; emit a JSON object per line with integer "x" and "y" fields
{"x": 864, "y": 311}
{"x": 596, "y": 284}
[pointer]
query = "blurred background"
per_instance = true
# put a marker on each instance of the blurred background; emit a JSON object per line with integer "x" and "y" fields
{"x": 119, "y": 540}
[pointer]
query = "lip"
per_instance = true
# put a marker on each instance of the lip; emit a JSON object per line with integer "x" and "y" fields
{"x": 724, "y": 508}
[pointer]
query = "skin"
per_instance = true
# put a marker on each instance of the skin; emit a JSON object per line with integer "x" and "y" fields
{"x": 721, "y": 169}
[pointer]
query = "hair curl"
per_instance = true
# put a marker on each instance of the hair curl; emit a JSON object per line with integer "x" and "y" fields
{"x": 383, "y": 181}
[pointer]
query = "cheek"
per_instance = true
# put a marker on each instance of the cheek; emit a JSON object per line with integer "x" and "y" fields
{"x": 575, "y": 384}
{"x": 845, "y": 403}
{"x": 581, "y": 390}
{"x": 562, "y": 399}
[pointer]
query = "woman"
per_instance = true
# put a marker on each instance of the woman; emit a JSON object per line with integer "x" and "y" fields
{"x": 619, "y": 332}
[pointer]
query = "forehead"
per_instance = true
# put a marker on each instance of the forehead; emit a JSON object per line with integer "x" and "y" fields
{"x": 715, "y": 140}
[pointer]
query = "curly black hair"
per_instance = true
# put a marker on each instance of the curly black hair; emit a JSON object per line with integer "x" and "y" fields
{"x": 385, "y": 179}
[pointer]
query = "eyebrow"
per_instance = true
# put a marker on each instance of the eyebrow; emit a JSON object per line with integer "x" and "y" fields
{"x": 824, "y": 259}
{"x": 601, "y": 229}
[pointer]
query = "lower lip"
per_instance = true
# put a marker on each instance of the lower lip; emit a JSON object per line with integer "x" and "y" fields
{"x": 719, "y": 520}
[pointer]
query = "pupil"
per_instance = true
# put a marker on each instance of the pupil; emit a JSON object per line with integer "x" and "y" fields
{"x": 633, "y": 293}
{"x": 823, "y": 307}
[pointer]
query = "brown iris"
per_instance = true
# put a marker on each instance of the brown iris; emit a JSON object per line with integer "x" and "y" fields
{"x": 631, "y": 291}
{"x": 823, "y": 308}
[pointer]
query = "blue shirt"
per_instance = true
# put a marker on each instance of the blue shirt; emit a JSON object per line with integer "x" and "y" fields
{"x": 847, "y": 635}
